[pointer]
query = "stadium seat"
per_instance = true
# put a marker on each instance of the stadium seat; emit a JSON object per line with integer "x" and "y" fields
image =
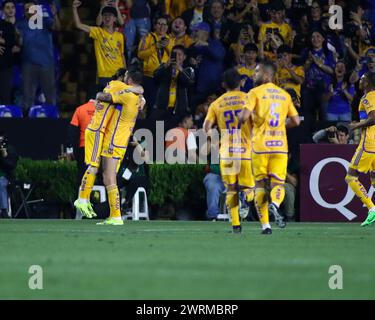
{"x": 140, "y": 208}
{"x": 44, "y": 111}
{"x": 10, "y": 111}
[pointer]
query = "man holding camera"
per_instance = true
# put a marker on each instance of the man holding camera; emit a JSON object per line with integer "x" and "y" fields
{"x": 174, "y": 79}
{"x": 8, "y": 162}
{"x": 334, "y": 134}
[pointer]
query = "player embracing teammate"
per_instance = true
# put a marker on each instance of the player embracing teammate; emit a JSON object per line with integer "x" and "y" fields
{"x": 268, "y": 110}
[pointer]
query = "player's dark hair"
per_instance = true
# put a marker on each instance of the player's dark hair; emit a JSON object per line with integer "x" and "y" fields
{"x": 120, "y": 73}
{"x": 231, "y": 78}
{"x": 269, "y": 67}
{"x": 250, "y": 47}
{"x": 135, "y": 74}
{"x": 179, "y": 47}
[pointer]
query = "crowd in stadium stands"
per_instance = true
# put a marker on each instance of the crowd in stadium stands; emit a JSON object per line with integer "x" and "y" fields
{"x": 184, "y": 46}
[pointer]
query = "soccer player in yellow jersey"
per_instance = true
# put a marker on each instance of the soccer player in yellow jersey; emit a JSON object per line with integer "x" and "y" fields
{"x": 269, "y": 106}
{"x": 94, "y": 135}
{"x": 235, "y": 149}
{"x": 364, "y": 158}
{"x": 108, "y": 43}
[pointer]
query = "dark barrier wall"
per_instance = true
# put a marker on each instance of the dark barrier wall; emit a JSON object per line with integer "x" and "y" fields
{"x": 41, "y": 139}
{"x": 36, "y": 138}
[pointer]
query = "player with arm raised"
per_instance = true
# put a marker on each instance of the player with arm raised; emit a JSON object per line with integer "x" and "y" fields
{"x": 269, "y": 106}
{"x": 235, "y": 144}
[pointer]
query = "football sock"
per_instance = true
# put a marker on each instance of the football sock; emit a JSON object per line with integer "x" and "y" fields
{"x": 359, "y": 190}
{"x": 278, "y": 195}
{"x": 233, "y": 206}
{"x": 249, "y": 194}
{"x": 261, "y": 205}
{"x": 87, "y": 183}
{"x": 114, "y": 201}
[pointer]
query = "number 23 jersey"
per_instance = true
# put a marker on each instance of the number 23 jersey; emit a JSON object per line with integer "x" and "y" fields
{"x": 235, "y": 141}
{"x": 270, "y": 106}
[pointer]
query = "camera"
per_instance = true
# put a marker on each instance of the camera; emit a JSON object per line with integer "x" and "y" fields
{"x": 4, "y": 143}
{"x": 331, "y": 134}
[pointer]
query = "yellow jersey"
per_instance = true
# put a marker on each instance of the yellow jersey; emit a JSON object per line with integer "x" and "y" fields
{"x": 235, "y": 140}
{"x": 151, "y": 56}
{"x": 367, "y": 105}
{"x": 285, "y": 80}
{"x": 104, "y": 110}
{"x": 109, "y": 51}
{"x": 283, "y": 29}
{"x": 185, "y": 40}
{"x": 270, "y": 106}
{"x": 125, "y": 115}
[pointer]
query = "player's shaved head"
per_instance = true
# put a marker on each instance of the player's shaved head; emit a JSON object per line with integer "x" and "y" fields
{"x": 120, "y": 74}
{"x": 231, "y": 79}
{"x": 265, "y": 72}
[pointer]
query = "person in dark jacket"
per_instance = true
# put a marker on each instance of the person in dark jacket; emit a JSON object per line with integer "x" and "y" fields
{"x": 195, "y": 15}
{"x": 174, "y": 79}
{"x": 8, "y": 162}
{"x": 207, "y": 57}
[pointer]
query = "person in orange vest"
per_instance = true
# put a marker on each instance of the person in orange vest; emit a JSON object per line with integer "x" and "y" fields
{"x": 76, "y": 147}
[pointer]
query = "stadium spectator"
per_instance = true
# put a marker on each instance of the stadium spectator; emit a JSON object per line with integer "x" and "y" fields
{"x": 174, "y": 78}
{"x": 269, "y": 45}
{"x": 9, "y": 11}
{"x": 288, "y": 75}
{"x": 315, "y": 16}
{"x": 245, "y": 37}
{"x": 174, "y": 9}
{"x": 364, "y": 64}
{"x": 133, "y": 174}
{"x": 180, "y": 144}
{"x": 288, "y": 207}
{"x": 277, "y": 25}
{"x": 207, "y": 57}
{"x": 110, "y": 3}
{"x": 334, "y": 134}
{"x": 319, "y": 67}
{"x": 178, "y": 33}
{"x": 76, "y": 134}
{"x": 247, "y": 69}
{"x": 108, "y": 43}
{"x": 212, "y": 181}
{"x": 154, "y": 49}
{"x": 141, "y": 15}
{"x": 218, "y": 21}
{"x": 202, "y": 109}
{"x": 7, "y": 41}
{"x": 38, "y": 62}
{"x": 244, "y": 12}
{"x": 195, "y": 15}
{"x": 339, "y": 96}
{"x": 8, "y": 162}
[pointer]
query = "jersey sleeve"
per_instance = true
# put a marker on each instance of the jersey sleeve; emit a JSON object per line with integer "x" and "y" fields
{"x": 94, "y": 32}
{"x": 251, "y": 100}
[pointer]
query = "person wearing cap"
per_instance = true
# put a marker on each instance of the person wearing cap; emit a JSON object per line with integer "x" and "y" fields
{"x": 364, "y": 64}
{"x": 247, "y": 70}
{"x": 207, "y": 57}
{"x": 288, "y": 75}
{"x": 277, "y": 25}
{"x": 108, "y": 43}
{"x": 154, "y": 49}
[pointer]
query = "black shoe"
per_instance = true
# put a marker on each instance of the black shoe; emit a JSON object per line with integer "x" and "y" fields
{"x": 267, "y": 231}
{"x": 279, "y": 219}
{"x": 237, "y": 229}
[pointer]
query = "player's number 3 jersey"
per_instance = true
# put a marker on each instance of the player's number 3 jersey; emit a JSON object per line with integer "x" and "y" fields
{"x": 270, "y": 106}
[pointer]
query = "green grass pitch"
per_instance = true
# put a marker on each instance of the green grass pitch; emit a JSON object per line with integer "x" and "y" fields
{"x": 184, "y": 260}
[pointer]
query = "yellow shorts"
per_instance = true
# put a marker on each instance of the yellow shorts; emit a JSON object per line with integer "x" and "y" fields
{"x": 363, "y": 161}
{"x": 93, "y": 147}
{"x": 237, "y": 173}
{"x": 270, "y": 166}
